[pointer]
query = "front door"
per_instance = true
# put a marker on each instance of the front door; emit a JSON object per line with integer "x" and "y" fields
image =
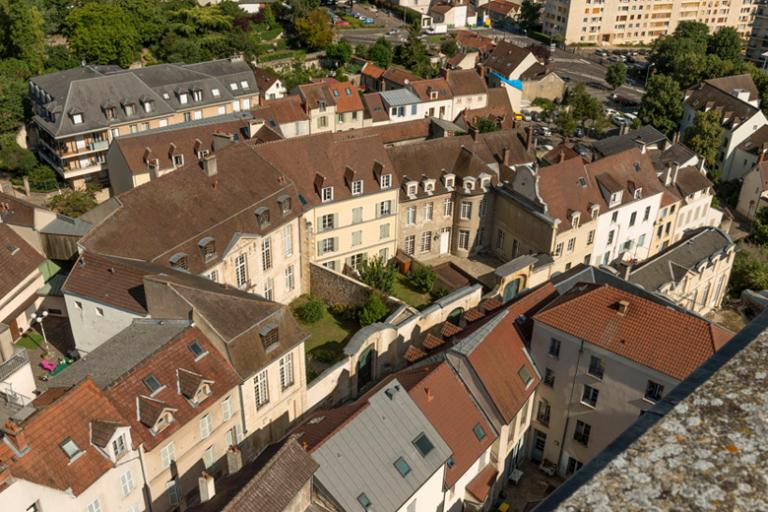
{"x": 445, "y": 240}
{"x": 539, "y": 442}
{"x": 511, "y": 290}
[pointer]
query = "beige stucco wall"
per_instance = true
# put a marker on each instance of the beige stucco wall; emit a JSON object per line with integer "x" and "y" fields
{"x": 25, "y": 292}
{"x": 551, "y": 87}
{"x": 439, "y": 223}
{"x": 582, "y": 249}
{"x": 752, "y": 197}
{"x": 703, "y": 289}
{"x": 532, "y": 233}
{"x": 664, "y": 227}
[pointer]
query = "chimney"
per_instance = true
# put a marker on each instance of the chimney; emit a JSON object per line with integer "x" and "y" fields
{"x": 473, "y": 132}
{"x": 221, "y": 140}
{"x": 763, "y": 151}
{"x": 675, "y": 169}
{"x": 234, "y": 460}
{"x": 627, "y": 272}
{"x": 207, "y": 487}
{"x": 623, "y": 307}
{"x": 15, "y": 435}
{"x": 561, "y": 156}
{"x": 530, "y": 139}
{"x": 430, "y": 396}
{"x": 506, "y": 156}
{"x": 210, "y": 166}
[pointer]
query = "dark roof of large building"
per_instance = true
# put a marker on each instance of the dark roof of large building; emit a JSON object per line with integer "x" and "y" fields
{"x": 719, "y": 94}
{"x": 18, "y": 260}
{"x": 267, "y": 484}
{"x": 506, "y": 57}
{"x": 673, "y": 264}
{"x": 645, "y": 135}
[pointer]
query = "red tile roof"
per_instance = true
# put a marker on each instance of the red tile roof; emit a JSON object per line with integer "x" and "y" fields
{"x": 346, "y": 95}
{"x": 372, "y": 70}
{"x": 469, "y": 39}
{"x": 423, "y": 88}
{"x": 374, "y": 107}
{"x": 473, "y": 314}
{"x": 164, "y": 364}
{"x": 464, "y": 82}
{"x": 481, "y": 485}
{"x": 413, "y": 354}
{"x": 16, "y": 211}
{"x": 63, "y": 414}
{"x": 649, "y": 333}
{"x": 109, "y": 281}
{"x": 287, "y": 109}
{"x": 448, "y": 329}
{"x": 398, "y": 76}
{"x": 501, "y": 7}
{"x": 446, "y": 403}
{"x": 18, "y": 260}
{"x": 432, "y": 342}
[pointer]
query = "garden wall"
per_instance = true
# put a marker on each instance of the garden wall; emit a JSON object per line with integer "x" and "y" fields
{"x": 336, "y": 288}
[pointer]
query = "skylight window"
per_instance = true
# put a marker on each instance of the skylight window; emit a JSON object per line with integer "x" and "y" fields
{"x": 402, "y": 467}
{"x": 152, "y": 383}
{"x": 336, "y": 93}
{"x": 244, "y": 84}
{"x": 233, "y": 86}
{"x": 70, "y": 448}
{"x": 197, "y": 349}
{"x": 423, "y": 444}
{"x": 216, "y": 93}
{"x": 582, "y": 181}
{"x": 524, "y": 375}
{"x": 364, "y": 501}
{"x": 479, "y": 432}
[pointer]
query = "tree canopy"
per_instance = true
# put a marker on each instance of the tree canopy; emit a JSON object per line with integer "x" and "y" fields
{"x": 616, "y": 74}
{"x": 530, "y": 12}
{"x": 380, "y": 53}
{"x": 703, "y": 137}
{"x": 662, "y": 105}
{"x": 102, "y": 33}
{"x": 315, "y": 29}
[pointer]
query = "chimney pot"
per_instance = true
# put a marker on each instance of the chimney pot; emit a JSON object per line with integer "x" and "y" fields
{"x": 209, "y": 165}
{"x": 234, "y": 460}
{"x": 15, "y": 434}
{"x": 207, "y": 487}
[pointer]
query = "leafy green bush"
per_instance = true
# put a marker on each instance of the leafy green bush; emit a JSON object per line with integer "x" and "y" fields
{"x": 373, "y": 310}
{"x": 343, "y": 312}
{"x": 328, "y": 353}
{"x": 422, "y": 277}
{"x": 312, "y": 310}
{"x": 73, "y": 203}
{"x": 377, "y": 273}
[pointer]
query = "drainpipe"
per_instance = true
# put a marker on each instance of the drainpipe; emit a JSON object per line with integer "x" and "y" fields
{"x": 568, "y": 410}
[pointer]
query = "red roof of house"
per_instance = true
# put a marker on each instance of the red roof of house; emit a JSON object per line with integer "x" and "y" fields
{"x": 413, "y": 354}
{"x": 446, "y": 403}
{"x": 346, "y": 96}
{"x": 469, "y": 39}
{"x": 500, "y": 7}
{"x": 372, "y": 70}
{"x": 651, "y": 334}
{"x": 63, "y": 414}
{"x": 481, "y": 485}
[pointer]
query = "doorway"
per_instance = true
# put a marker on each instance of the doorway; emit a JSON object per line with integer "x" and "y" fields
{"x": 445, "y": 240}
{"x": 539, "y": 443}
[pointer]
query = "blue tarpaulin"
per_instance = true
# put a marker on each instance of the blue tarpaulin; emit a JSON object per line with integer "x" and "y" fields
{"x": 517, "y": 84}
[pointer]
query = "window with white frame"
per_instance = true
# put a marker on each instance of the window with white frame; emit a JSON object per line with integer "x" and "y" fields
{"x": 428, "y": 207}
{"x": 386, "y": 181}
{"x": 286, "y": 371}
{"x": 209, "y": 456}
{"x": 482, "y": 210}
{"x": 447, "y": 207}
{"x": 327, "y": 245}
{"x": 290, "y": 279}
{"x": 357, "y": 187}
{"x": 385, "y": 208}
{"x": 589, "y": 396}
{"x": 126, "y": 482}
{"x": 94, "y": 506}
{"x": 327, "y": 194}
{"x": 357, "y": 215}
{"x": 411, "y": 189}
{"x": 269, "y": 285}
{"x": 356, "y": 260}
{"x": 327, "y": 221}
{"x": 410, "y": 215}
{"x": 226, "y": 408}
{"x": 426, "y": 241}
{"x": 466, "y": 210}
{"x": 266, "y": 254}
{"x": 205, "y": 426}
{"x": 118, "y": 446}
{"x": 463, "y": 239}
{"x": 571, "y": 244}
{"x": 559, "y": 249}
{"x": 288, "y": 240}
{"x": 77, "y": 118}
{"x": 167, "y": 455}
{"x": 261, "y": 389}
{"x": 241, "y": 271}
{"x": 410, "y": 244}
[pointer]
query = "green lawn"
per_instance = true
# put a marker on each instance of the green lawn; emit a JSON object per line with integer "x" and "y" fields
{"x": 408, "y": 294}
{"x": 31, "y": 341}
{"x": 329, "y": 334}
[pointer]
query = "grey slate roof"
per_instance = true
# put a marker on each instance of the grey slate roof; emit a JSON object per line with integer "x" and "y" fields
{"x": 122, "y": 352}
{"x": 399, "y": 97}
{"x": 672, "y": 265}
{"x": 67, "y": 226}
{"x": 636, "y": 138}
{"x": 359, "y": 457}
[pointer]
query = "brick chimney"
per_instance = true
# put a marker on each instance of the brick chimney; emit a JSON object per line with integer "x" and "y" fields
{"x": 430, "y": 396}
{"x": 234, "y": 460}
{"x": 506, "y": 156}
{"x": 209, "y": 165}
{"x": 530, "y": 139}
{"x": 207, "y": 487}
{"x": 15, "y": 434}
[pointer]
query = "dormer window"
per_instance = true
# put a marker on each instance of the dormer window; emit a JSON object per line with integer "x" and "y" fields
{"x": 449, "y": 181}
{"x": 197, "y": 349}
{"x": 77, "y": 118}
{"x": 615, "y": 199}
{"x": 269, "y": 336}
{"x": 638, "y": 193}
{"x": 595, "y": 211}
{"x": 357, "y": 187}
{"x": 433, "y": 95}
{"x": 582, "y": 182}
{"x": 262, "y": 216}
{"x": 321, "y": 105}
{"x": 336, "y": 93}
{"x": 207, "y": 248}
{"x": 411, "y": 188}
{"x": 109, "y": 113}
{"x": 326, "y": 194}
{"x": 71, "y": 449}
{"x": 575, "y": 219}
{"x": 469, "y": 184}
{"x": 119, "y": 446}
{"x": 183, "y": 98}
{"x": 197, "y": 95}
{"x": 165, "y": 419}
{"x": 244, "y": 84}
{"x": 233, "y": 86}
{"x": 130, "y": 109}
{"x": 485, "y": 183}
{"x": 180, "y": 261}
{"x": 149, "y": 106}
{"x": 285, "y": 204}
{"x": 386, "y": 181}
{"x": 429, "y": 186}
{"x": 178, "y": 160}
{"x": 215, "y": 92}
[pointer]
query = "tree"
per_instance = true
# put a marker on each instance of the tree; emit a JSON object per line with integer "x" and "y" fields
{"x": 26, "y": 36}
{"x": 682, "y": 55}
{"x": 73, "y": 203}
{"x": 380, "y": 53}
{"x": 703, "y": 137}
{"x": 662, "y": 104}
{"x": 449, "y": 47}
{"x": 315, "y": 29}
{"x": 584, "y": 106}
{"x": 373, "y": 310}
{"x": 312, "y": 310}
{"x": 726, "y": 44}
{"x": 414, "y": 55}
{"x": 486, "y": 125}
{"x": 13, "y": 94}
{"x": 566, "y": 123}
{"x": 616, "y": 74}
{"x": 102, "y": 33}
{"x": 148, "y": 18}
{"x": 750, "y": 269}
{"x": 377, "y": 273}
{"x": 422, "y": 277}
{"x": 339, "y": 53}
{"x": 760, "y": 227}
{"x": 14, "y": 158}
{"x": 530, "y": 12}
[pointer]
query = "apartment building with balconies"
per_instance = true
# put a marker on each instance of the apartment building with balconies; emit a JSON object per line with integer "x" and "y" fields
{"x": 78, "y": 112}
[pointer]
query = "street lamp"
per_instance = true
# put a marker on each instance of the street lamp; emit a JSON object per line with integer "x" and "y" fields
{"x": 38, "y": 318}
{"x": 648, "y": 72}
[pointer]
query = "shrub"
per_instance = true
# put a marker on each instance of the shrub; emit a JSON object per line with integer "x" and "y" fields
{"x": 328, "y": 353}
{"x": 422, "y": 277}
{"x": 377, "y": 273}
{"x": 373, "y": 310}
{"x": 312, "y": 310}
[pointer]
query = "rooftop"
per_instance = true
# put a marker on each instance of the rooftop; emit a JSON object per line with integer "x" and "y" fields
{"x": 18, "y": 260}
{"x": 507, "y": 56}
{"x": 645, "y": 135}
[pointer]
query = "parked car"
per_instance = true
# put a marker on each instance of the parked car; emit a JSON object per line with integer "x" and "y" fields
{"x": 579, "y": 132}
{"x": 392, "y": 32}
{"x": 438, "y": 28}
{"x": 598, "y": 85}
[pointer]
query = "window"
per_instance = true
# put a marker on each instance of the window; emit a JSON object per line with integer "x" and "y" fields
{"x": 327, "y": 194}
{"x": 641, "y": 240}
{"x": 524, "y": 375}
{"x": 544, "y": 412}
{"x": 269, "y": 286}
{"x": 463, "y": 239}
{"x": 126, "y": 482}
{"x": 479, "y": 432}
{"x": 226, "y": 408}
{"x": 466, "y": 210}
{"x": 241, "y": 271}
{"x": 172, "y": 488}
{"x": 364, "y": 501}
{"x": 216, "y": 93}
{"x": 549, "y": 377}
{"x": 423, "y": 444}
{"x": 483, "y": 207}
{"x": 447, "y": 207}
{"x": 327, "y": 222}
{"x": 614, "y": 215}
{"x": 322, "y": 122}
{"x": 596, "y": 368}
{"x": 153, "y": 385}
{"x": 591, "y": 237}
{"x": 559, "y": 249}
{"x": 385, "y": 208}
{"x": 573, "y": 466}
{"x": 209, "y": 457}
{"x": 167, "y": 455}
{"x": 266, "y": 254}
{"x": 653, "y": 391}
{"x": 357, "y": 215}
{"x": 118, "y": 446}
{"x": 426, "y": 241}
{"x": 386, "y": 181}
{"x": 428, "y": 211}
{"x": 410, "y": 244}
{"x": 70, "y": 448}
{"x": 571, "y": 244}
{"x": 288, "y": 240}
{"x": 410, "y": 216}
{"x": 205, "y": 426}
{"x": 610, "y": 237}
{"x": 647, "y": 213}
{"x": 357, "y": 238}
{"x": 554, "y": 347}
{"x": 77, "y": 118}
{"x": 357, "y": 187}
{"x": 500, "y": 240}
{"x": 402, "y": 467}
{"x": 233, "y": 86}
{"x": 327, "y": 245}
{"x": 383, "y": 231}
{"x": 94, "y": 506}
{"x": 581, "y": 434}
{"x": 286, "y": 371}
{"x": 261, "y": 389}
{"x": 632, "y": 218}
{"x": 589, "y": 396}
{"x": 340, "y": 118}
{"x": 178, "y": 160}
{"x": 290, "y": 280}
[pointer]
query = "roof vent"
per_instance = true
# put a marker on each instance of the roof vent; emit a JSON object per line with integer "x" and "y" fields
{"x": 12, "y": 249}
{"x": 622, "y": 306}
{"x": 390, "y": 392}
